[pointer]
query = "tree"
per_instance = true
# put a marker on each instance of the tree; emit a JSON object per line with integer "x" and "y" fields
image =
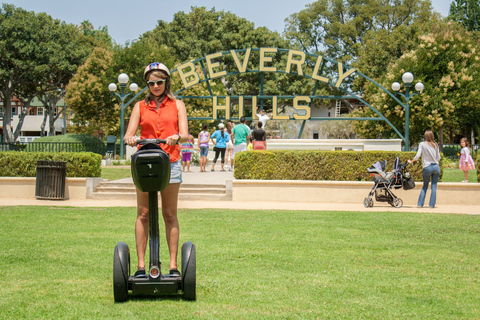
{"x": 467, "y": 12}
{"x": 88, "y": 96}
{"x": 38, "y": 55}
{"x": 201, "y": 32}
{"x": 366, "y": 34}
{"x": 96, "y": 108}
{"x": 336, "y": 28}
{"x": 99, "y": 37}
{"x": 446, "y": 62}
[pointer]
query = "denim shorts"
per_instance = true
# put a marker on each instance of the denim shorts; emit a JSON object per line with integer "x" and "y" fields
{"x": 203, "y": 151}
{"x": 176, "y": 172}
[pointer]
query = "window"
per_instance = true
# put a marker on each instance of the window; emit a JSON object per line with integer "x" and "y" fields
{"x": 14, "y": 111}
{"x": 1, "y": 112}
{"x": 39, "y": 111}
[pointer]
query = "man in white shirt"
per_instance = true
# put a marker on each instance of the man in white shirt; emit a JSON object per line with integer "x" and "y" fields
{"x": 262, "y": 117}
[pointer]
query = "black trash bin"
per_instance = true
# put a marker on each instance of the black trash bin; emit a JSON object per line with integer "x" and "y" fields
{"x": 50, "y": 183}
{"x": 111, "y": 143}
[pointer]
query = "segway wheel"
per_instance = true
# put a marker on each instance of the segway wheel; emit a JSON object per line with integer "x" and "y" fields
{"x": 121, "y": 272}
{"x": 189, "y": 272}
{"x": 398, "y": 203}
{"x": 370, "y": 202}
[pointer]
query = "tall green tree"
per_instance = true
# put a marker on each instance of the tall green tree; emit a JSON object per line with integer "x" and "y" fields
{"x": 446, "y": 62}
{"x": 38, "y": 55}
{"x": 466, "y": 12}
{"x": 337, "y": 28}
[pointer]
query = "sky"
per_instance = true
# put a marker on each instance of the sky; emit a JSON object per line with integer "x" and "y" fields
{"x": 129, "y": 19}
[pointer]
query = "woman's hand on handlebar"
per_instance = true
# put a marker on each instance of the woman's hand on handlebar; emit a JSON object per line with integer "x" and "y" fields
{"x": 130, "y": 140}
{"x": 172, "y": 140}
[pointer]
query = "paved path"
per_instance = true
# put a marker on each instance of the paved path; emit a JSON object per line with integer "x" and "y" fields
{"x": 217, "y": 177}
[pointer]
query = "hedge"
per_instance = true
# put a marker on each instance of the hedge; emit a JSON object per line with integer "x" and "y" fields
{"x": 24, "y": 164}
{"x": 318, "y": 165}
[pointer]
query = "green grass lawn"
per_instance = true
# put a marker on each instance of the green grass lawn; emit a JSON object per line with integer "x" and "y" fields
{"x": 114, "y": 173}
{"x": 456, "y": 175}
{"x": 56, "y": 263}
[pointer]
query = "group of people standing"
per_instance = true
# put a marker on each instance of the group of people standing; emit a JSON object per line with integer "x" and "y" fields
{"x": 228, "y": 140}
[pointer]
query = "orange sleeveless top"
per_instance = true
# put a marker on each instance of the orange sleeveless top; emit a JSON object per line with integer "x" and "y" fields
{"x": 160, "y": 124}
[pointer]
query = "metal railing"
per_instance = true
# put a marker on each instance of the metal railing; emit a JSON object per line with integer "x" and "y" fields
{"x": 95, "y": 147}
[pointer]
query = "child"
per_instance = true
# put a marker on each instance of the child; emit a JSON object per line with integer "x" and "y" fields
{"x": 187, "y": 150}
{"x": 466, "y": 161}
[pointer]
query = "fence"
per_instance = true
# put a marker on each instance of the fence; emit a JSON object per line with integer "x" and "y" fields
{"x": 95, "y": 147}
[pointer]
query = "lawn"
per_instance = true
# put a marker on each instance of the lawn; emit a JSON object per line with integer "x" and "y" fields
{"x": 57, "y": 263}
{"x": 456, "y": 175}
{"x": 114, "y": 173}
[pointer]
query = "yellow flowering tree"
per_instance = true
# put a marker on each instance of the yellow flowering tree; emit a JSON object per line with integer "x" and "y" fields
{"x": 447, "y": 63}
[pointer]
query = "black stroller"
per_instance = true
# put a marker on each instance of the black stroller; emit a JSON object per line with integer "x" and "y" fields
{"x": 384, "y": 182}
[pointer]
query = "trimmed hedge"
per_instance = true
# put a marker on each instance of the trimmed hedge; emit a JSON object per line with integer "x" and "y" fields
{"x": 24, "y": 164}
{"x": 318, "y": 165}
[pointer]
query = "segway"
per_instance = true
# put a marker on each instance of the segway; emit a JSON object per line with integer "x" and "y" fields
{"x": 151, "y": 173}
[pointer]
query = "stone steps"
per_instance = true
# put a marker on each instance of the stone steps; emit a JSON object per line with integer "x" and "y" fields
{"x": 109, "y": 190}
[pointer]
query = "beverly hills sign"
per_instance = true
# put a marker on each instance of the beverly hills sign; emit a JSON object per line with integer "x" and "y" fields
{"x": 211, "y": 67}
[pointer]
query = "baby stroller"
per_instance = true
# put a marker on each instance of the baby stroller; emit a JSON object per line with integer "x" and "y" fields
{"x": 384, "y": 182}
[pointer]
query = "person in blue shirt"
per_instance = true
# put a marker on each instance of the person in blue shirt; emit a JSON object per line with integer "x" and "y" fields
{"x": 221, "y": 138}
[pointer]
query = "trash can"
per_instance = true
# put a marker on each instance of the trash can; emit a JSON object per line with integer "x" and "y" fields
{"x": 50, "y": 183}
{"x": 111, "y": 142}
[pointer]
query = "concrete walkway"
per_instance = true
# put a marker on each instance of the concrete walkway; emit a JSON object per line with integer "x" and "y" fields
{"x": 218, "y": 177}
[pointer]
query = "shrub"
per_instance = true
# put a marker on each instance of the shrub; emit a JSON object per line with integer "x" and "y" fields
{"x": 317, "y": 165}
{"x": 24, "y": 164}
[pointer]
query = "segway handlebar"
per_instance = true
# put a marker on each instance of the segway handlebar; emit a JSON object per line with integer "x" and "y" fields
{"x": 156, "y": 141}
{"x": 145, "y": 141}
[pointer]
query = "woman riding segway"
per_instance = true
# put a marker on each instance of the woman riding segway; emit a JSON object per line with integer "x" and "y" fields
{"x": 160, "y": 116}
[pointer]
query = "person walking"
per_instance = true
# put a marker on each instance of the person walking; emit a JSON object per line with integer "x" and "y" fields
{"x": 187, "y": 150}
{"x": 221, "y": 138}
{"x": 430, "y": 153}
{"x": 161, "y": 116}
{"x": 466, "y": 160}
{"x": 203, "y": 138}
{"x": 259, "y": 137}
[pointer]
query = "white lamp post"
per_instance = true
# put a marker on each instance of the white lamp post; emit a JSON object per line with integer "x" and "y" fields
{"x": 407, "y": 79}
{"x": 123, "y": 80}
